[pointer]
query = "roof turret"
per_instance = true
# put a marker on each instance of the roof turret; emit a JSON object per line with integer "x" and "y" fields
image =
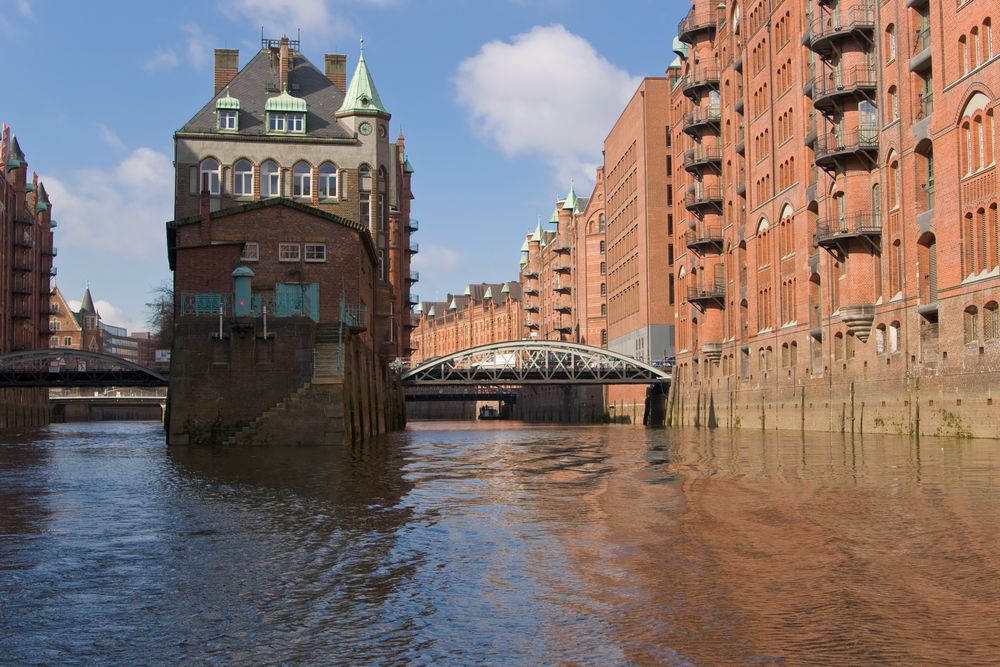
{"x": 570, "y": 203}
{"x": 362, "y": 96}
{"x": 229, "y": 102}
{"x": 88, "y": 304}
{"x": 16, "y": 157}
{"x": 284, "y": 102}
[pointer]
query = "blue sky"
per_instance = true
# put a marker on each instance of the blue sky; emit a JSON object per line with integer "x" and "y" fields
{"x": 502, "y": 102}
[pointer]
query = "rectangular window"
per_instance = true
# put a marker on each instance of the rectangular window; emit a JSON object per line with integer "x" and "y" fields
{"x": 315, "y": 252}
{"x": 288, "y": 252}
{"x": 54, "y": 341}
{"x": 296, "y": 122}
{"x": 276, "y": 122}
{"x": 250, "y": 252}
{"x": 227, "y": 119}
{"x": 67, "y": 341}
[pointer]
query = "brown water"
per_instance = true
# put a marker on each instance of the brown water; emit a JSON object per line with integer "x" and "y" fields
{"x": 500, "y": 543}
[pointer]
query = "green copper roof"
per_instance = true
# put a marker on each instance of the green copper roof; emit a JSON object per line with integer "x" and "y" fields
{"x": 536, "y": 236}
{"x": 242, "y": 272}
{"x": 489, "y": 293}
{"x": 524, "y": 246}
{"x": 453, "y": 305}
{"x": 430, "y": 312}
{"x": 680, "y": 48}
{"x": 407, "y": 167}
{"x": 228, "y": 102}
{"x": 505, "y": 289}
{"x": 555, "y": 215}
{"x": 570, "y": 204}
{"x": 361, "y": 96}
{"x": 676, "y": 64}
{"x": 286, "y": 102}
{"x": 468, "y": 290}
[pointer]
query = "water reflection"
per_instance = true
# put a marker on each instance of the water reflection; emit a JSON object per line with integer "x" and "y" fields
{"x": 501, "y": 543}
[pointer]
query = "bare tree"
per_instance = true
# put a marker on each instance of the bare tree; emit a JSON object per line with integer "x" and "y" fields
{"x": 161, "y": 314}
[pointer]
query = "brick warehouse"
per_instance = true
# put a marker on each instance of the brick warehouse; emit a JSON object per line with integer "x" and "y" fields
{"x": 837, "y": 237}
{"x": 25, "y": 275}
{"x": 292, "y": 229}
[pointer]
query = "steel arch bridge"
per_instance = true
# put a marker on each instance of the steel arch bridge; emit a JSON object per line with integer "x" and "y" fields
{"x": 522, "y": 362}
{"x": 64, "y": 367}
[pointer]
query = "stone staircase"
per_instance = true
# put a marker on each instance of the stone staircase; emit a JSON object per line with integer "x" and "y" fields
{"x": 320, "y": 399}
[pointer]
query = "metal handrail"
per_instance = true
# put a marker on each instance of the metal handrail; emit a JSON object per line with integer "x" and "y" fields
{"x": 859, "y": 223}
{"x": 706, "y": 234}
{"x": 862, "y": 138}
{"x": 843, "y": 21}
{"x": 860, "y": 76}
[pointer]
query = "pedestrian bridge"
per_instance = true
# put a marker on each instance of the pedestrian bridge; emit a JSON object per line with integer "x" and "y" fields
{"x": 523, "y": 362}
{"x": 64, "y": 367}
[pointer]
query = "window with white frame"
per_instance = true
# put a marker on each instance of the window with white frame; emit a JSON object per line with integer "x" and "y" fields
{"x": 276, "y": 122}
{"x": 302, "y": 180}
{"x": 227, "y": 119}
{"x": 296, "y": 122}
{"x": 328, "y": 181}
{"x": 243, "y": 178}
{"x": 250, "y": 252}
{"x": 54, "y": 325}
{"x": 209, "y": 176}
{"x": 54, "y": 341}
{"x": 289, "y": 252}
{"x": 67, "y": 341}
{"x": 270, "y": 179}
{"x": 315, "y": 252}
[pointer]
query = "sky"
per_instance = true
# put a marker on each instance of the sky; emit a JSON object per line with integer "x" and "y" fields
{"x": 503, "y": 103}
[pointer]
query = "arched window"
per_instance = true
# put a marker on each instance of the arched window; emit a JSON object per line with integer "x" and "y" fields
{"x": 892, "y": 109}
{"x": 365, "y": 178}
{"x": 987, "y": 39}
{"x": 893, "y": 182}
{"x": 604, "y": 289}
{"x": 243, "y": 178}
{"x": 604, "y": 337}
{"x": 880, "y": 339}
{"x": 793, "y": 354}
{"x": 993, "y": 238}
{"x": 969, "y": 256}
{"x": 328, "y": 181}
{"x": 270, "y": 179}
{"x": 604, "y": 268}
{"x": 974, "y": 48}
{"x": 991, "y": 323}
{"x": 890, "y": 42}
{"x": 963, "y": 53}
{"x": 894, "y": 337}
{"x": 209, "y": 176}
{"x": 970, "y": 322}
{"x": 302, "y": 180}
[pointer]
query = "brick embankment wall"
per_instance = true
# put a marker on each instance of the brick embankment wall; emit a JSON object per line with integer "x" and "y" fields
{"x": 563, "y": 404}
{"x": 954, "y": 405}
{"x": 23, "y": 408}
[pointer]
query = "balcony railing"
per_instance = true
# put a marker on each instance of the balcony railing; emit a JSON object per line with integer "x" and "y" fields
{"x": 51, "y": 252}
{"x": 841, "y": 23}
{"x": 531, "y": 274}
{"x": 696, "y": 21}
{"x": 712, "y": 291}
{"x": 412, "y": 225}
{"x": 562, "y": 267}
{"x": 413, "y": 299}
{"x": 863, "y": 140}
{"x": 703, "y": 156}
{"x": 23, "y": 241}
{"x": 698, "y": 78}
{"x": 531, "y": 307}
{"x": 413, "y": 248}
{"x": 851, "y": 81}
{"x": 693, "y": 120}
{"x": 414, "y": 276}
{"x": 564, "y": 289}
{"x": 704, "y": 238}
{"x": 926, "y": 105}
{"x": 921, "y": 39}
{"x": 530, "y": 323}
{"x": 700, "y": 197}
{"x": 855, "y": 225}
{"x": 530, "y": 291}
{"x": 564, "y": 309}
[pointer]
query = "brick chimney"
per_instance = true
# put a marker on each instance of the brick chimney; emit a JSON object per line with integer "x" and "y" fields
{"x": 227, "y": 64}
{"x": 336, "y": 70}
{"x": 283, "y": 63}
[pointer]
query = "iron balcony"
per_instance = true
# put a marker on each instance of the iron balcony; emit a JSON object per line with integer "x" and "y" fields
{"x": 531, "y": 307}
{"x": 412, "y": 225}
{"x": 700, "y": 198}
{"x": 530, "y": 323}
{"x": 697, "y": 21}
{"x": 414, "y": 276}
{"x": 531, "y": 291}
{"x": 855, "y": 22}
{"x": 23, "y": 241}
{"x": 413, "y": 248}
{"x": 561, "y": 267}
{"x": 701, "y": 158}
{"x": 564, "y": 309}
{"x": 704, "y": 239}
{"x": 564, "y": 289}
{"x": 861, "y": 224}
{"x": 695, "y": 120}
{"x": 702, "y": 295}
{"x": 698, "y": 79}
{"x": 860, "y": 80}
{"x": 531, "y": 274}
{"x": 564, "y": 328}
{"x": 413, "y": 299}
{"x": 862, "y": 142}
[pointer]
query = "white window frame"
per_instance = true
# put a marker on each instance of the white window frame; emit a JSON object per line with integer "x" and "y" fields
{"x": 296, "y": 123}
{"x": 227, "y": 119}
{"x": 243, "y": 180}
{"x": 53, "y": 341}
{"x": 302, "y": 181}
{"x": 53, "y": 325}
{"x": 277, "y": 122}
{"x": 269, "y": 192}
{"x": 289, "y": 252}
{"x": 315, "y": 252}
{"x": 214, "y": 177}
{"x": 328, "y": 182}
{"x": 250, "y": 252}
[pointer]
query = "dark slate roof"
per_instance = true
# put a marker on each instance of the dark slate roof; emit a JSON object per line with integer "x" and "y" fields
{"x": 88, "y": 303}
{"x": 258, "y": 81}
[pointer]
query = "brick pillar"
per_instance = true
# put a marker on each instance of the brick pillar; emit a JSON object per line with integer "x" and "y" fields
{"x": 336, "y": 70}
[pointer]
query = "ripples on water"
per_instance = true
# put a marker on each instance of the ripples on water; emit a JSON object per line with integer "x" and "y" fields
{"x": 500, "y": 543}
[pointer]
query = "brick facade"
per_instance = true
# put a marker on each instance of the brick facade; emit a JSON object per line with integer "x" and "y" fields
{"x": 837, "y": 250}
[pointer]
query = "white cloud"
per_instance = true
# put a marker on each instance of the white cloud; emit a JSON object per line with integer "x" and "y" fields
{"x": 436, "y": 262}
{"x": 546, "y": 93}
{"x": 113, "y": 315}
{"x": 119, "y": 211}
{"x": 162, "y": 59}
{"x": 284, "y": 17}
{"x": 109, "y": 136}
{"x": 24, "y": 7}
{"x": 199, "y": 45}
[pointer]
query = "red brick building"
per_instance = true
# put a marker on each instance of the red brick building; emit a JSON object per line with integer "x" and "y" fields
{"x": 26, "y": 268}
{"x": 837, "y": 244}
{"x": 484, "y": 313}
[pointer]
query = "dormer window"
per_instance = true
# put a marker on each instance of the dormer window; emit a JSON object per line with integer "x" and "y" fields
{"x": 286, "y": 114}
{"x": 227, "y": 111}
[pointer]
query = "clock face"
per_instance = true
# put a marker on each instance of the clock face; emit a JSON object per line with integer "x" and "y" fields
{"x": 365, "y": 129}
{"x": 381, "y": 130}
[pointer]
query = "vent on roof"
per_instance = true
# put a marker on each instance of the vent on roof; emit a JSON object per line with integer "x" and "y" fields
{"x": 271, "y": 87}
{"x": 295, "y": 87}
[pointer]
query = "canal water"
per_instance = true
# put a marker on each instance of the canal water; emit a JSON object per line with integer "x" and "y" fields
{"x": 500, "y": 544}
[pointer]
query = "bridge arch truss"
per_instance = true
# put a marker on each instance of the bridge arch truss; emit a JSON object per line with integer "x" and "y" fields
{"x": 65, "y": 367}
{"x": 524, "y": 362}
